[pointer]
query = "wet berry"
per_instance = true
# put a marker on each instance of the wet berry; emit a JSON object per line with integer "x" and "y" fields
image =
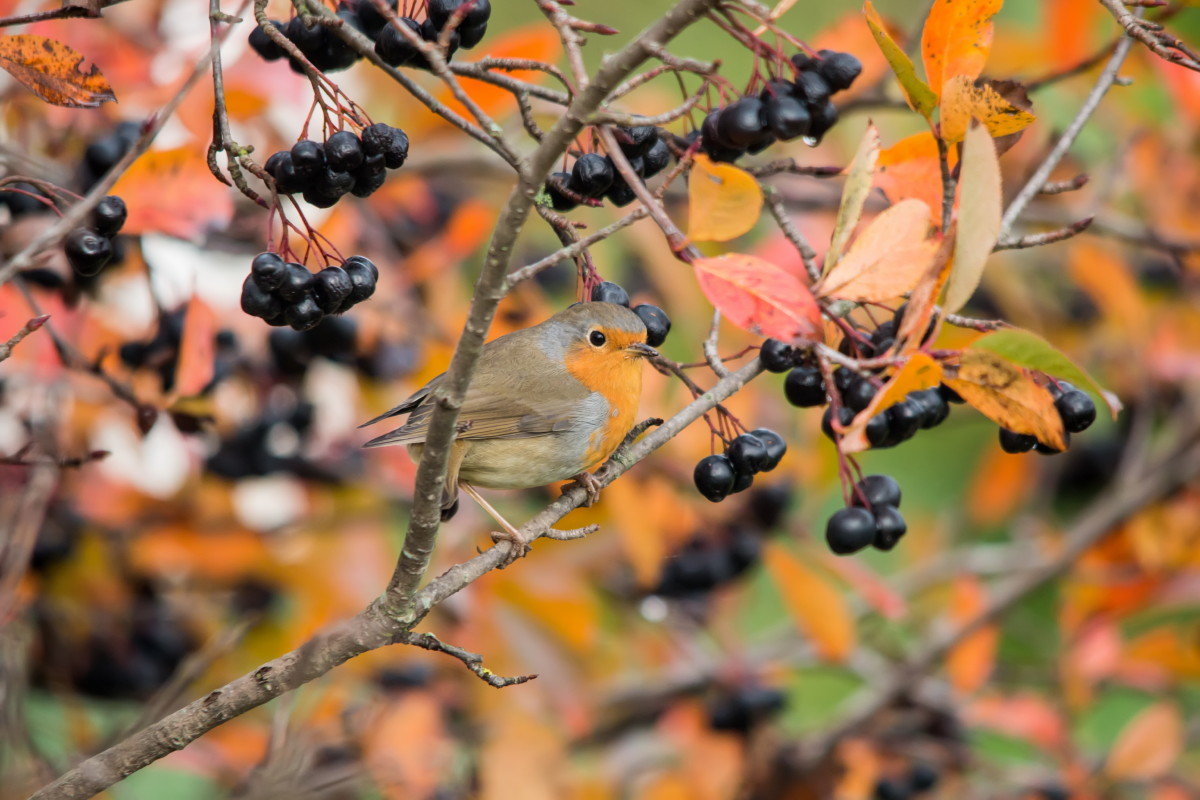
{"x": 637, "y": 140}
{"x": 295, "y": 283}
{"x": 845, "y": 416}
{"x": 850, "y": 530}
{"x": 859, "y": 394}
{"x": 741, "y": 123}
{"x": 905, "y": 418}
{"x": 787, "y": 117}
{"x": 811, "y": 88}
{"x": 363, "y": 277}
{"x": 343, "y": 151}
{"x": 748, "y": 453}
{"x": 330, "y": 287}
{"x": 303, "y": 315}
{"x": 258, "y": 302}
{"x": 658, "y": 324}
{"x": 393, "y": 49}
{"x": 823, "y": 118}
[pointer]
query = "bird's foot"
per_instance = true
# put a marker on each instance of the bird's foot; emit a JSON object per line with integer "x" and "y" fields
{"x": 590, "y": 484}
{"x": 518, "y": 546}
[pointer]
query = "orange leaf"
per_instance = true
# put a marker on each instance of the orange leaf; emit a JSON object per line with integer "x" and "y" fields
{"x": 723, "y": 201}
{"x": 923, "y": 299}
{"x": 196, "y": 348}
{"x": 816, "y": 607}
{"x": 759, "y": 297}
{"x": 909, "y": 168}
{"x": 407, "y": 750}
{"x": 1107, "y": 280}
{"x": 534, "y": 42}
{"x": 887, "y": 259}
{"x": 956, "y": 39}
{"x": 919, "y": 372}
{"x": 172, "y": 192}
{"x": 53, "y": 71}
{"x": 999, "y": 483}
{"x": 1005, "y": 394}
{"x": 1148, "y": 746}
{"x": 963, "y": 101}
{"x": 970, "y": 662}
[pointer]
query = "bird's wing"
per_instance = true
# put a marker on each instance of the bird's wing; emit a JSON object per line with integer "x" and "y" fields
{"x": 509, "y": 397}
{"x": 409, "y": 405}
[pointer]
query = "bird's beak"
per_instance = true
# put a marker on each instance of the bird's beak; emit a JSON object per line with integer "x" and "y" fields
{"x": 642, "y": 350}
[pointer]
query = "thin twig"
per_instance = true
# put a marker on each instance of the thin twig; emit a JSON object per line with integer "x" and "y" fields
{"x": 774, "y": 201}
{"x": 63, "y": 12}
{"x": 29, "y": 327}
{"x": 710, "y": 347}
{"x": 1152, "y": 34}
{"x": 1049, "y": 237}
{"x": 474, "y": 661}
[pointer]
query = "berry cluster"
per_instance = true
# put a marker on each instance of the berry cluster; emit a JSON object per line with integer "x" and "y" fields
{"x": 286, "y": 293}
{"x": 472, "y": 16}
{"x": 783, "y": 110}
{"x": 595, "y": 176}
{"x": 1074, "y": 407}
{"x": 873, "y": 518}
{"x": 921, "y": 778}
{"x": 718, "y": 476}
{"x": 90, "y": 249}
{"x": 740, "y": 709}
{"x": 343, "y": 164}
{"x": 272, "y": 443}
{"x": 657, "y": 323}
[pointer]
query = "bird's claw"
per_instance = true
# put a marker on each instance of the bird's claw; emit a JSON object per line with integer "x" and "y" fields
{"x": 518, "y": 548}
{"x": 590, "y": 484}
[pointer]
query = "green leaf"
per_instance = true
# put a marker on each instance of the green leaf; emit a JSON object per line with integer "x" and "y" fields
{"x": 978, "y": 224}
{"x": 917, "y": 93}
{"x": 1030, "y": 350}
{"x": 859, "y": 176}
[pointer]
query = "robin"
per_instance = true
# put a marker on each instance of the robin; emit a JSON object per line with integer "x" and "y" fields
{"x": 546, "y": 403}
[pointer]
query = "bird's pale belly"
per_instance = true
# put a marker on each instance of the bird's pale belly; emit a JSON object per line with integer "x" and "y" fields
{"x": 523, "y": 463}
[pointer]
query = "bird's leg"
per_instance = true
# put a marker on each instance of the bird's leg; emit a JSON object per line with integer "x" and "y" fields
{"x": 509, "y": 533}
{"x": 590, "y": 484}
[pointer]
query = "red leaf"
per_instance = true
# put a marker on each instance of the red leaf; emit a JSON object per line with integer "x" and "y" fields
{"x": 759, "y": 296}
{"x": 196, "y": 349}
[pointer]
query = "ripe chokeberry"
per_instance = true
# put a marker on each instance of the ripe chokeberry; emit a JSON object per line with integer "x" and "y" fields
{"x": 859, "y": 394}
{"x": 811, "y": 88}
{"x": 775, "y": 446}
{"x": 748, "y": 453}
{"x": 555, "y": 184}
{"x": 296, "y": 281}
{"x": 804, "y": 387}
{"x": 363, "y": 277}
{"x": 776, "y": 356}
{"x": 824, "y": 117}
{"x": 637, "y": 140}
{"x": 788, "y": 117}
{"x": 268, "y": 270}
{"x": 889, "y": 526}
{"x": 714, "y": 476}
{"x": 110, "y": 214}
{"x": 393, "y": 49}
{"x": 850, "y": 530}
{"x": 303, "y": 315}
{"x": 658, "y": 324}
{"x": 741, "y": 123}
{"x": 1077, "y": 410}
{"x": 87, "y": 251}
{"x": 935, "y": 409}
{"x": 261, "y": 43}
{"x": 838, "y": 69}
{"x": 308, "y": 159}
{"x": 878, "y": 490}
{"x": 1013, "y": 442}
{"x": 609, "y": 292}
{"x": 330, "y": 287}
{"x": 343, "y": 151}
{"x": 656, "y": 159}
{"x": 905, "y": 419}
{"x": 258, "y": 302}
{"x": 280, "y": 167}
{"x": 592, "y": 175}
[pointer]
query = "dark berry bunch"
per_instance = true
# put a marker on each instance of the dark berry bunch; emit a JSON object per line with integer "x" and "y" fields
{"x": 472, "y": 21}
{"x": 343, "y": 164}
{"x": 657, "y": 323}
{"x": 90, "y": 249}
{"x": 783, "y": 110}
{"x": 160, "y": 353}
{"x": 320, "y": 44}
{"x": 718, "y": 476}
{"x": 740, "y": 709}
{"x": 872, "y": 519}
{"x": 286, "y": 293}
{"x": 594, "y": 177}
{"x": 1074, "y": 407}
{"x": 269, "y": 444}
{"x": 336, "y": 339}
{"x": 102, "y": 153}
{"x": 920, "y": 779}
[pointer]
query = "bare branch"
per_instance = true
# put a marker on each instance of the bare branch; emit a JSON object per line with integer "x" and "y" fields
{"x": 1049, "y": 237}
{"x": 65, "y": 11}
{"x": 29, "y": 327}
{"x": 1153, "y": 35}
{"x": 779, "y": 213}
{"x": 474, "y": 661}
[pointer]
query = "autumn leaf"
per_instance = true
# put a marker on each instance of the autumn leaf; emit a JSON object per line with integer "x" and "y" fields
{"x": 923, "y": 299}
{"x": 854, "y": 194}
{"x": 815, "y": 606}
{"x": 193, "y": 204}
{"x": 887, "y": 259}
{"x": 917, "y": 94}
{"x": 978, "y": 224}
{"x": 910, "y": 168}
{"x": 919, "y": 372}
{"x": 962, "y": 100}
{"x": 759, "y": 297}
{"x": 723, "y": 201}
{"x": 1148, "y": 746}
{"x": 956, "y": 39}
{"x": 196, "y": 348}
{"x": 530, "y": 44}
{"x": 1005, "y": 394}
{"x": 970, "y": 662}
{"x": 54, "y": 72}
{"x": 1032, "y": 351}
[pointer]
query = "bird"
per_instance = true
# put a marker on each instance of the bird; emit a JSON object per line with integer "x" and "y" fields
{"x": 546, "y": 403}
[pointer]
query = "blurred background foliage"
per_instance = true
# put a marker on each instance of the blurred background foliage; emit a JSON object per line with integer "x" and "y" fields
{"x": 686, "y": 650}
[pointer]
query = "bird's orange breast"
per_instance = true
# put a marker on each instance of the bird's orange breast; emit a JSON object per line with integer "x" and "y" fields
{"x": 616, "y": 376}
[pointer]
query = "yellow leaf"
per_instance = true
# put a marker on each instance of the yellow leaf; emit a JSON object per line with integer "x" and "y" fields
{"x": 723, "y": 201}
{"x": 970, "y": 662}
{"x": 956, "y": 39}
{"x": 854, "y": 194}
{"x": 917, "y": 94}
{"x": 1148, "y": 746}
{"x": 1006, "y": 394}
{"x": 978, "y": 224}
{"x": 887, "y": 259}
{"x": 962, "y": 100}
{"x": 54, "y": 71}
{"x": 919, "y": 372}
{"x": 817, "y": 608}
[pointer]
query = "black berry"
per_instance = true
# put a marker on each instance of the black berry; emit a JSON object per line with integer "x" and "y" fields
{"x": 363, "y": 277}
{"x": 559, "y": 200}
{"x": 258, "y": 302}
{"x": 845, "y": 416}
{"x": 775, "y": 446}
{"x": 394, "y": 49}
{"x": 1013, "y": 442}
{"x": 1077, "y": 410}
{"x": 787, "y": 117}
{"x": 823, "y": 118}
{"x": 592, "y": 175}
{"x": 804, "y": 387}
{"x": 714, "y": 477}
{"x": 859, "y": 394}
{"x": 294, "y": 286}
{"x": 889, "y": 526}
{"x": 838, "y": 69}
{"x": 268, "y": 270}
{"x": 811, "y": 88}
{"x": 879, "y": 490}
{"x": 776, "y": 356}
{"x": 308, "y": 159}
{"x": 850, "y": 530}
{"x": 280, "y": 167}
{"x": 637, "y": 140}
{"x": 748, "y": 453}
{"x": 741, "y": 123}
{"x": 656, "y": 159}
{"x": 330, "y": 287}
{"x": 87, "y": 251}
{"x": 658, "y": 324}
{"x": 262, "y": 44}
{"x": 110, "y": 214}
{"x": 303, "y": 315}
{"x": 905, "y": 418}
{"x": 343, "y": 152}
{"x": 609, "y": 292}
{"x": 935, "y": 409}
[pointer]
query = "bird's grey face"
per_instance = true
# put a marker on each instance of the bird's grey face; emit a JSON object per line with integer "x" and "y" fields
{"x": 597, "y": 326}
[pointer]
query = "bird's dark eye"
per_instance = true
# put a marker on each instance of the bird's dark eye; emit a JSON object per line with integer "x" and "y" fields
{"x": 597, "y": 338}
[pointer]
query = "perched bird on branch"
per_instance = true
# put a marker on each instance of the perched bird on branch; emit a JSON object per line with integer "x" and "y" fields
{"x": 546, "y": 403}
